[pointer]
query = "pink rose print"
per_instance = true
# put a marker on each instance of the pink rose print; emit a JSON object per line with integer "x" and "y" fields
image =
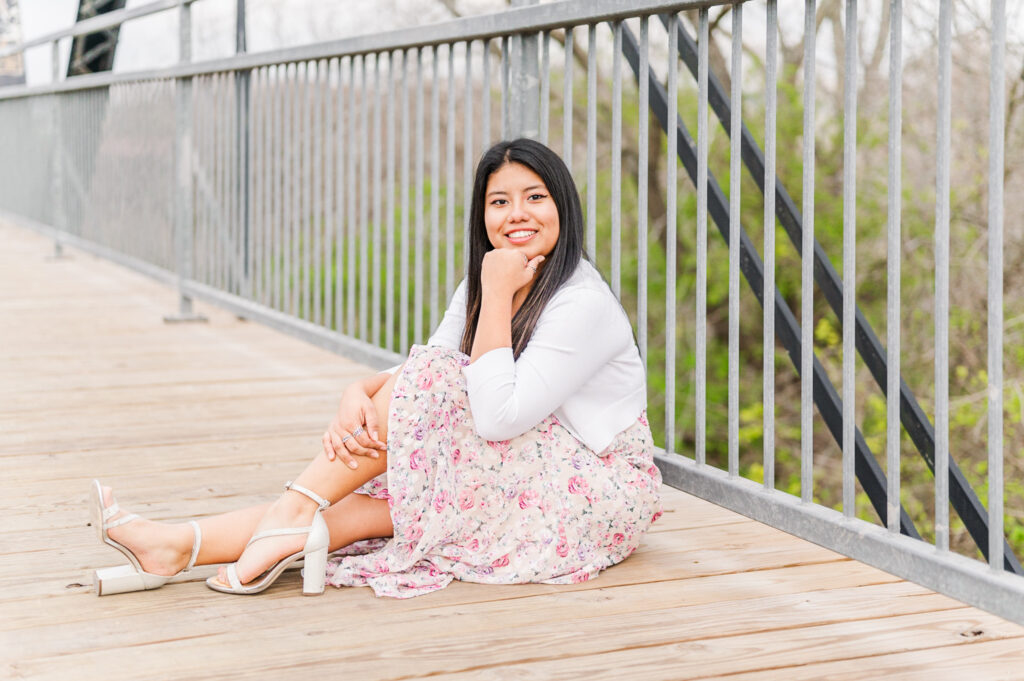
{"x": 578, "y": 485}
{"x": 562, "y": 548}
{"x": 500, "y": 562}
{"x": 618, "y": 538}
{"x": 413, "y": 532}
{"x": 417, "y": 459}
{"x": 655, "y": 516}
{"x": 580, "y": 577}
{"x": 528, "y": 498}
{"x": 424, "y": 380}
{"x": 466, "y": 499}
{"x": 652, "y": 471}
{"x": 441, "y": 500}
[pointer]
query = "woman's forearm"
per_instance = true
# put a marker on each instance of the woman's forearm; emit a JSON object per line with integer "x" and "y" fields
{"x": 371, "y": 384}
{"x": 494, "y": 328}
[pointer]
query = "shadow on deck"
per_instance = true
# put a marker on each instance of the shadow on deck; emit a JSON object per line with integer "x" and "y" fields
{"x": 206, "y": 417}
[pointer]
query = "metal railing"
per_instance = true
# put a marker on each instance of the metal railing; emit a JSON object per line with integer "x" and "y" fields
{"x": 324, "y": 190}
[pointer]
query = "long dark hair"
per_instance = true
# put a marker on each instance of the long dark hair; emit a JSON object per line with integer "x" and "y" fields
{"x": 559, "y": 265}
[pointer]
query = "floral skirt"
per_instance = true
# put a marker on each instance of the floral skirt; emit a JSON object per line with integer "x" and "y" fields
{"x": 540, "y": 507}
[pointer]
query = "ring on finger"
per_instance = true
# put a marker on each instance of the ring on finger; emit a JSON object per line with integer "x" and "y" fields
{"x": 357, "y": 431}
{"x": 346, "y": 439}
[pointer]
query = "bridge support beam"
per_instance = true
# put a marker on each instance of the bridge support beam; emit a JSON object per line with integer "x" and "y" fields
{"x": 183, "y": 212}
{"x": 523, "y": 119}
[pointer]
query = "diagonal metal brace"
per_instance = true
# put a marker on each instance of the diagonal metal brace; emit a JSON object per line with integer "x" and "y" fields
{"x": 868, "y": 472}
{"x": 913, "y": 418}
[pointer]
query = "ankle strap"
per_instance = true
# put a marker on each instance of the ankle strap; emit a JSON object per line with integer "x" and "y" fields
{"x": 323, "y": 503}
{"x": 197, "y": 541}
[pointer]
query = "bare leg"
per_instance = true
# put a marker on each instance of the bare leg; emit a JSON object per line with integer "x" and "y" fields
{"x": 332, "y": 480}
{"x": 164, "y": 548}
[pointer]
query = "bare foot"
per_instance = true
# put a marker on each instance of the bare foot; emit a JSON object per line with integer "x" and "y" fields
{"x": 291, "y": 510}
{"x": 161, "y": 548}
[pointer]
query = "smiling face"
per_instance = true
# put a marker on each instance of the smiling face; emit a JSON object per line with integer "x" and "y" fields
{"x": 519, "y": 212}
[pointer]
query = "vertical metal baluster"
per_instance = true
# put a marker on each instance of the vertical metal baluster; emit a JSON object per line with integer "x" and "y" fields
{"x": 670, "y": 235}
{"x": 894, "y": 248}
{"x": 287, "y": 146}
{"x": 641, "y": 211}
{"x": 201, "y": 128}
{"x": 567, "y": 100}
{"x": 389, "y": 267}
{"x": 330, "y": 196}
{"x": 306, "y": 182}
{"x": 280, "y": 179}
{"x": 403, "y": 269}
{"x": 435, "y": 195}
{"x": 997, "y": 108}
{"x": 735, "y": 183}
{"x": 592, "y": 96}
{"x": 771, "y": 62}
{"x": 702, "y": 236}
{"x": 340, "y": 147}
{"x": 244, "y": 187}
{"x": 545, "y": 85}
{"x": 351, "y": 224}
{"x": 229, "y": 235}
{"x": 364, "y": 202}
{"x": 216, "y": 216}
{"x": 255, "y": 186}
{"x": 378, "y": 159}
{"x": 450, "y": 192}
{"x": 504, "y": 86}
{"x": 274, "y": 193}
{"x": 295, "y": 254}
{"x": 267, "y": 169}
{"x": 807, "y": 264}
{"x": 485, "y": 97}
{"x": 942, "y": 161}
{"x": 225, "y": 250}
{"x": 418, "y": 255}
{"x": 616, "y": 235}
{"x": 849, "y": 257}
{"x": 316, "y": 180}
{"x": 467, "y": 153}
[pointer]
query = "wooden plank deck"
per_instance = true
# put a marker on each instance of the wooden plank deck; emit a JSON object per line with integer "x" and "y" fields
{"x": 200, "y": 418}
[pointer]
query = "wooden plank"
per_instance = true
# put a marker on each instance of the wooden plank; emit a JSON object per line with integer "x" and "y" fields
{"x": 984, "y": 659}
{"x": 878, "y": 648}
{"x": 555, "y": 629}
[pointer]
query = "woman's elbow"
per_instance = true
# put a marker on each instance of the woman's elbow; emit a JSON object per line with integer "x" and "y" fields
{"x": 494, "y": 430}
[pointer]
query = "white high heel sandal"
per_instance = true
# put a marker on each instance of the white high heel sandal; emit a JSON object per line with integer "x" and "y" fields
{"x": 314, "y": 574}
{"x": 132, "y": 577}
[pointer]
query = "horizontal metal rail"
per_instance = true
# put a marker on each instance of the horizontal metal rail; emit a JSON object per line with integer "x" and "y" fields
{"x": 96, "y": 24}
{"x": 516, "y": 20}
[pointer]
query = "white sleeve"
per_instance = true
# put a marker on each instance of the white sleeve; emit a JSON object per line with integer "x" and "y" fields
{"x": 576, "y": 335}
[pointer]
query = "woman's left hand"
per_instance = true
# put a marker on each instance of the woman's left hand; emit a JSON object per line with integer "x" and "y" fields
{"x": 506, "y": 270}
{"x": 354, "y": 428}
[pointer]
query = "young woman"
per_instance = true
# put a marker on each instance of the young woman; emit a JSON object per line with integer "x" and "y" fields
{"x": 513, "y": 447}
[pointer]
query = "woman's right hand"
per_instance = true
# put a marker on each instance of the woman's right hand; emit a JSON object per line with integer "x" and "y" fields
{"x": 354, "y": 430}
